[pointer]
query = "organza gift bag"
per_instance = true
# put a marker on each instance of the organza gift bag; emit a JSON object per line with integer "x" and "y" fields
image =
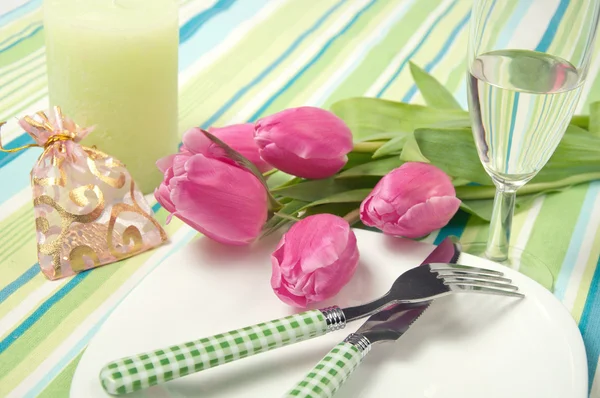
{"x": 88, "y": 211}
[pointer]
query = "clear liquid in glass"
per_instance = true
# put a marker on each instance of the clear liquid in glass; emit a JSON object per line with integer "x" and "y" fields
{"x": 521, "y": 102}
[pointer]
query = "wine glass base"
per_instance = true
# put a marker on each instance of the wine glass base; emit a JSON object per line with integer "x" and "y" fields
{"x": 519, "y": 260}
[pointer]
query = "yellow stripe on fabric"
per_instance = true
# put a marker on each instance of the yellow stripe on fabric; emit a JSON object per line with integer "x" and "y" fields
{"x": 60, "y": 386}
{"x": 322, "y": 70}
{"x": 586, "y": 279}
{"x": 375, "y": 62}
{"x": 429, "y": 50}
{"x": 548, "y": 242}
{"x": 24, "y": 251}
{"x": 203, "y": 95}
{"x": 22, "y": 294}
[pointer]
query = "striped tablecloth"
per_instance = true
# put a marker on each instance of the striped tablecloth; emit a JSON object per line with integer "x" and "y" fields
{"x": 240, "y": 59}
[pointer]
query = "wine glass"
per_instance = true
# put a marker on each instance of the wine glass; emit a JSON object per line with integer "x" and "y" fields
{"x": 527, "y": 64}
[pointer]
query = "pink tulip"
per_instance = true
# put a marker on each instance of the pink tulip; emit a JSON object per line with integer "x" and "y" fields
{"x": 219, "y": 199}
{"x": 239, "y": 137}
{"x": 314, "y": 260}
{"x": 306, "y": 142}
{"x": 411, "y": 201}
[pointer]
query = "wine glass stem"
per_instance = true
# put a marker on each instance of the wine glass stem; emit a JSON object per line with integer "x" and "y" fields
{"x": 501, "y": 222}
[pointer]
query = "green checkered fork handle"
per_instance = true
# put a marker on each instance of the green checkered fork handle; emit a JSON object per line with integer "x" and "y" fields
{"x": 136, "y": 372}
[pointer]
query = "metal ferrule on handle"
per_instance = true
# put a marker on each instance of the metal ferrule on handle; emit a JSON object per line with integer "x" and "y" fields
{"x": 141, "y": 371}
{"x": 359, "y": 341}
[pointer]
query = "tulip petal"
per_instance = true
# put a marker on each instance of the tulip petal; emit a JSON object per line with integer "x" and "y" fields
{"x": 307, "y": 132}
{"x": 314, "y": 260}
{"x": 426, "y": 217}
{"x": 225, "y": 202}
{"x": 411, "y": 201}
{"x": 240, "y": 137}
{"x": 195, "y": 141}
{"x": 290, "y": 163}
{"x": 165, "y": 163}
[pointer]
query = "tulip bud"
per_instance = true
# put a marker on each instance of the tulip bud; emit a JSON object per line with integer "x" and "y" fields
{"x": 240, "y": 137}
{"x": 223, "y": 201}
{"x": 314, "y": 260}
{"x": 411, "y": 201}
{"x": 306, "y": 142}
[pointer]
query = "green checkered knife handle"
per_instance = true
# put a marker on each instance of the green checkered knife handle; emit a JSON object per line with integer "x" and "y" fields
{"x": 145, "y": 370}
{"x": 324, "y": 380}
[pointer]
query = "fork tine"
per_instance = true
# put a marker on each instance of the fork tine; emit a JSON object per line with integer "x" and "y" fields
{"x": 472, "y": 282}
{"x": 463, "y": 268}
{"x": 469, "y": 275}
{"x": 486, "y": 290}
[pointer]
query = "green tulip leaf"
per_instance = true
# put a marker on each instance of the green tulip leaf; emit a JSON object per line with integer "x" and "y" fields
{"x": 313, "y": 190}
{"x": 453, "y": 151}
{"x": 378, "y": 168}
{"x": 433, "y": 92}
{"x": 594, "y": 124}
{"x": 392, "y": 147}
{"x": 368, "y": 116}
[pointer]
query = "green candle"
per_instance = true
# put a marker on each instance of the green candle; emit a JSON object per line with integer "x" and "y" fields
{"x": 113, "y": 64}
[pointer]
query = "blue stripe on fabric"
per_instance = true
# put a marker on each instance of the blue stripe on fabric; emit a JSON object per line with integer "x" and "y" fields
{"x": 335, "y": 81}
{"x": 550, "y": 32}
{"x": 19, "y": 12}
{"x": 6, "y": 158}
{"x": 214, "y": 31}
{"x": 574, "y": 248}
{"x": 25, "y": 277}
{"x": 15, "y": 175}
{"x": 513, "y": 121}
{"x": 265, "y": 72}
{"x": 590, "y": 324}
{"x": 77, "y": 348}
{"x": 41, "y": 310}
{"x": 413, "y": 90}
{"x": 15, "y": 35}
{"x": 503, "y": 40}
{"x": 317, "y": 56}
{"x": 196, "y": 22}
{"x": 455, "y": 227}
{"x": 28, "y": 36}
{"x": 415, "y": 50}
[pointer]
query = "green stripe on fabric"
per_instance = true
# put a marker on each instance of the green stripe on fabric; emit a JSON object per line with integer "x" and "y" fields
{"x": 547, "y": 242}
{"x": 457, "y": 74}
{"x": 60, "y": 386}
{"x": 202, "y": 96}
{"x": 66, "y": 315}
{"x": 431, "y": 47}
{"x": 586, "y": 279}
{"x": 21, "y": 294}
{"x": 25, "y": 47}
{"x": 375, "y": 62}
{"x": 17, "y": 255}
{"x": 327, "y": 65}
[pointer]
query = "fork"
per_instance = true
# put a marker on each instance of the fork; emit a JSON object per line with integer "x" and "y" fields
{"x": 421, "y": 284}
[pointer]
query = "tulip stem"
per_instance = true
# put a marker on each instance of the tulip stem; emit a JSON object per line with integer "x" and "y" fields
{"x": 270, "y": 172}
{"x": 367, "y": 147}
{"x": 286, "y": 216}
{"x": 353, "y": 217}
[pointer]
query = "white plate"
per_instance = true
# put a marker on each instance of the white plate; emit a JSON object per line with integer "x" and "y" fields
{"x": 464, "y": 346}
